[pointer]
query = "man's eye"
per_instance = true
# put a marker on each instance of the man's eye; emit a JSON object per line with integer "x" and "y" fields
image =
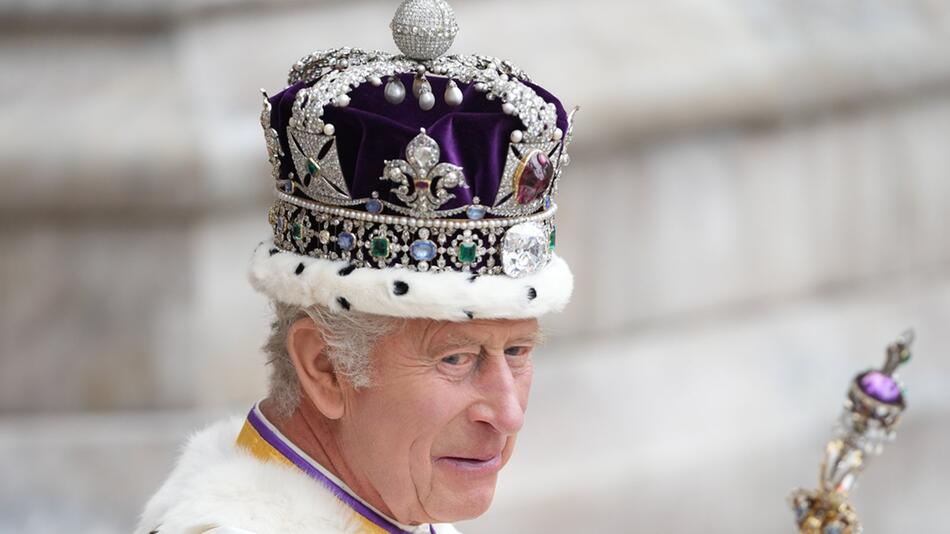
{"x": 454, "y": 359}
{"x": 517, "y": 351}
{"x": 461, "y": 358}
{"x": 457, "y": 365}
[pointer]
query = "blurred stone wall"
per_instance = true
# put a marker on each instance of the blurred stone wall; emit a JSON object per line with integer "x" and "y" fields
{"x": 728, "y": 154}
{"x": 732, "y": 158}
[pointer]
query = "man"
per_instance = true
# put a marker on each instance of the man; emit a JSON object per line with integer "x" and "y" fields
{"x": 412, "y": 255}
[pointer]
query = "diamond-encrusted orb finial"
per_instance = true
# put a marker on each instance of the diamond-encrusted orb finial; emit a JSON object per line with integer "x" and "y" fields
{"x": 424, "y": 29}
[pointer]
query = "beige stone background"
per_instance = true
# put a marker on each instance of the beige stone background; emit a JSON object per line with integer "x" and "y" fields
{"x": 759, "y": 201}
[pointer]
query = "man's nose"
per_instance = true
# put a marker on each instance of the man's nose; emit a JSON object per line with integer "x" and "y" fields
{"x": 500, "y": 405}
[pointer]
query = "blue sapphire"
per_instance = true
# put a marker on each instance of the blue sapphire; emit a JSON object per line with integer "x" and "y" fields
{"x": 346, "y": 241}
{"x": 476, "y": 212}
{"x": 286, "y": 186}
{"x": 422, "y": 250}
{"x": 374, "y": 206}
{"x": 547, "y": 202}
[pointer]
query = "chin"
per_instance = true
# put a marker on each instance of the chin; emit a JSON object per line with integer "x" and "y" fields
{"x": 458, "y": 502}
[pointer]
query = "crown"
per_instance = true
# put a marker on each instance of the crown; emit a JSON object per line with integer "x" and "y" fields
{"x": 417, "y": 160}
{"x": 415, "y": 184}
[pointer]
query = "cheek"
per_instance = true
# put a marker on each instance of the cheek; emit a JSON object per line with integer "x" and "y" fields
{"x": 381, "y": 428}
{"x": 394, "y": 412}
{"x": 405, "y": 421}
{"x": 441, "y": 413}
{"x": 442, "y": 426}
{"x": 524, "y": 385}
{"x": 448, "y": 429}
{"x": 388, "y": 438}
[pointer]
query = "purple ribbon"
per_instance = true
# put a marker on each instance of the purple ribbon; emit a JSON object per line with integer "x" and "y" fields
{"x": 280, "y": 446}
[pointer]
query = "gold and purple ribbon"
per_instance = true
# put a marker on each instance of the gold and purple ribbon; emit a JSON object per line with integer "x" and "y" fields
{"x": 262, "y": 441}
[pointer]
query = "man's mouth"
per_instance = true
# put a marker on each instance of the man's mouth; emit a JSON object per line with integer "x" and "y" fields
{"x": 480, "y": 464}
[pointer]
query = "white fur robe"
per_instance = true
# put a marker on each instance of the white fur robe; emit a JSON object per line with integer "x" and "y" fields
{"x": 219, "y": 488}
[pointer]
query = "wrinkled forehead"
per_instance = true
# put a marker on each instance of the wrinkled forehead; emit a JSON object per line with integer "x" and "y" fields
{"x": 483, "y": 332}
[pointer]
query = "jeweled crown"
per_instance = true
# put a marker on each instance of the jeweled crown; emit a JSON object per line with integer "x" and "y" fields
{"x": 419, "y": 160}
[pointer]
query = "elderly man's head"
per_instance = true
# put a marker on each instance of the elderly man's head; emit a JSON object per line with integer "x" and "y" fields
{"x": 423, "y": 413}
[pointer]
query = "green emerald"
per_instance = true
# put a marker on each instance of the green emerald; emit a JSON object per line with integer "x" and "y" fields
{"x": 312, "y": 167}
{"x": 466, "y": 252}
{"x": 296, "y": 230}
{"x": 552, "y": 240}
{"x": 380, "y": 247}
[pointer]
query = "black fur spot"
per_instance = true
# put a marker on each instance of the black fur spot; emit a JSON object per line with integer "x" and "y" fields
{"x": 347, "y": 270}
{"x": 345, "y": 304}
{"x": 300, "y": 269}
{"x": 532, "y": 293}
{"x": 473, "y": 278}
{"x": 273, "y": 251}
{"x": 400, "y": 287}
{"x": 470, "y": 314}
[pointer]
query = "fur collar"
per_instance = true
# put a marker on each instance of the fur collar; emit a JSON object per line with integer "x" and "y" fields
{"x": 217, "y": 484}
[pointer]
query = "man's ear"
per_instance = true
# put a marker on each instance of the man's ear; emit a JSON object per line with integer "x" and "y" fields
{"x": 318, "y": 381}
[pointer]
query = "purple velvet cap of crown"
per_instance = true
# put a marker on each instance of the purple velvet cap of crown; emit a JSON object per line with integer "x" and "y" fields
{"x": 370, "y": 130}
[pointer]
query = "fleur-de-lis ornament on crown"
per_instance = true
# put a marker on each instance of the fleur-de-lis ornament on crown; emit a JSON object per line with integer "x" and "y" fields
{"x": 429, "y": 179}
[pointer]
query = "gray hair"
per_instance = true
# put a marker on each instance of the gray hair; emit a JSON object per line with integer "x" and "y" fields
{"x": 349, "y": 337}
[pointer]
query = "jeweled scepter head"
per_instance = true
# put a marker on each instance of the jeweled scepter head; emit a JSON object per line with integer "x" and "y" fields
{"x": 871, "y": 412}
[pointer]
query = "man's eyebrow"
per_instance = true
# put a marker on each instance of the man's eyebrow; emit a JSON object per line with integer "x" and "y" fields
{"x": 456, "y": 342}
{"x": 453, "y": 342}
{"x": 535, "y": 338}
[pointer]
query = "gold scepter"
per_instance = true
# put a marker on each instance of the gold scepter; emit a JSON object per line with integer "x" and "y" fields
{"x": 871, "y": 412}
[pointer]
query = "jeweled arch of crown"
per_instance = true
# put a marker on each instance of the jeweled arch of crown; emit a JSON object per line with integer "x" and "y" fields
{"x": 514, "y": 235}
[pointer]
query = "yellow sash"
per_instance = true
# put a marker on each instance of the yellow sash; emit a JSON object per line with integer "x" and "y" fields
{"x": 252, "y": 441}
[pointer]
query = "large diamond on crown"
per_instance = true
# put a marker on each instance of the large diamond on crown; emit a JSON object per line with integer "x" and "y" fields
{"x": 524, "y": 249}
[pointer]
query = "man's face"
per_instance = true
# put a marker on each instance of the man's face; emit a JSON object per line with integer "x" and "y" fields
{"x": 441, "y": 417}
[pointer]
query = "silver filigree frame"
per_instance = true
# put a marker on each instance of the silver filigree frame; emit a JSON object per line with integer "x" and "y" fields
{"x": 314, "y": 233}
{"x": 340, "y": 70}
{"x": 272, "y": 138}
{"x": 318, "y": 166}
{"x": 351, "y": 68}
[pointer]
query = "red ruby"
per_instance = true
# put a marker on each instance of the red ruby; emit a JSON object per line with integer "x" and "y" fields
{"x": 536, "y": 174}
